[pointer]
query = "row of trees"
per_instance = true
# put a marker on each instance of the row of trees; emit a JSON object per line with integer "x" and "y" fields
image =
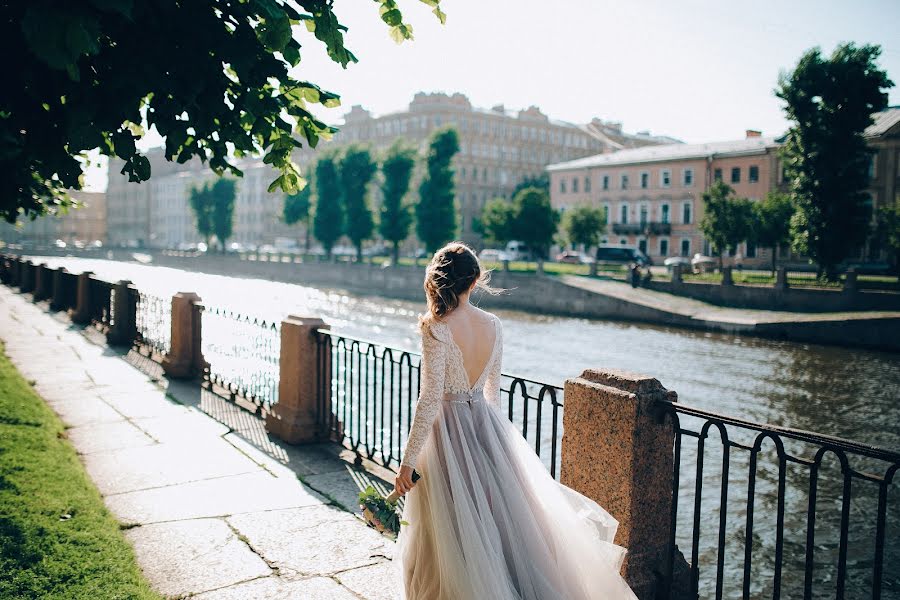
{"x": 213, "y": 207}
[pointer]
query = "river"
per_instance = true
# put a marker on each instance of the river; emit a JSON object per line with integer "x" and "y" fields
{"x": 846, "y": 392}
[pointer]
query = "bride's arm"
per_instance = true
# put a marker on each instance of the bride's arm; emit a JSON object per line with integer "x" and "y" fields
{"x": 492, "y": 381}
{"x": 431, "y": 390}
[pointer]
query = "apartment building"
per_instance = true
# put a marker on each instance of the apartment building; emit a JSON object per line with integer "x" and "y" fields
{"x": 84, "y": 223}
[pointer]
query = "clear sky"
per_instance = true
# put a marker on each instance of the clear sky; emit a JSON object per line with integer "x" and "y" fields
{"x": 696, "y": 70}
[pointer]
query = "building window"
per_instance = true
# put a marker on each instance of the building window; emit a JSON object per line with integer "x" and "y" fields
{"x": 753, "y": 176}
{"x": 665, "y": 178}
{"x": 717, "y": 175}
{"x": 644, "y": 212}
{"x": 624, "y": 181}
{"x": 735, "y": 175}
{"x": 623, "y": 214}
{"x": 606, "y": 212}
{"x": 751, "y": 250}
{"x": 587, "y": 184}
{"x": 664, "y": 247}
{"x": 574, "y": 185}
{"x": 664, "y": 213}
{"x": 685, "y": 247}
{"x": 606, "y": 182}
{"x": 462, "y": 173}
{"x": 688, "y": 177}
{"x": 642, "y": 246}
{"x": 645, "y": 180}
{"x": 562, "y": 185}
{"x": 623, "y": 241}
{"x": 484, "y": 174}
{"x": 686, "y": 213}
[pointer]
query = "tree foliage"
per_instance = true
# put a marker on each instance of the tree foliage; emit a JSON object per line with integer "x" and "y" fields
{"x": 223, "y": 195}
{"x": 887, "y": 233}
{"x": 201, "y": 203}
{"x": 396, "y": 218}
{"x": 830, "y": 102}
{"x": 216, "y": 79}
{"x": 535, "y": 221}
{"x": 771, "y": 226}
{"x": 328, "y": 223}
{"x": 297, "y": 206}
{"x": 541, "y": 181}
{"x": 496, "y": 221}
{"x": 584, "y": 224}
{"x": 727, "y": 220}
{"x": 356, "y": 171}
{"x": 436, "y": 210}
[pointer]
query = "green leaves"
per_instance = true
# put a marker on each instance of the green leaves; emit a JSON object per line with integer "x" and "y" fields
{"x": 436, "y": 210}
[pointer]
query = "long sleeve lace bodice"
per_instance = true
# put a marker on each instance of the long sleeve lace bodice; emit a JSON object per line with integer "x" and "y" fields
{"x": 442, "y": 370}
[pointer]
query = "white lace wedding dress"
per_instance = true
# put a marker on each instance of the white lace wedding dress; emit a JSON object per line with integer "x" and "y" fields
{"x": 486, "y": 520}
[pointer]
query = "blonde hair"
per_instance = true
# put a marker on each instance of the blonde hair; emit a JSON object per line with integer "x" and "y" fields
{"x": 452, "y": 272}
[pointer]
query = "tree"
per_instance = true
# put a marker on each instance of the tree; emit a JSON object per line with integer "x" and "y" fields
{"x": 222, "y": 214}
{"x": 727, "y": 219}
{"x": 201, "y": 202}
{"x": 396, "y": 217}
{"x": 497, "y": 220}
{"x": 536, "y": 221}
{"x": 214, "y": 78}
{"x": 328, "y": 223}
{"x": 356, "y": 171}
{"x": 541, "y": 181}
{"x": 436, "y": 211}
{"x": 831, "y": 102}
{"x": 771, "y": 227}
{"x": 887, "y": 233}
{"x": 583, "y": 225}
{"x": 297, "y": 206}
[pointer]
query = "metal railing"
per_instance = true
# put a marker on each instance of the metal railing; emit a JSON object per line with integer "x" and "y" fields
{"x": 243, "y": 355}
{"x": 810, "y": 518}
{"x": 367, "y": 393}
{"x": 153, "y": 321}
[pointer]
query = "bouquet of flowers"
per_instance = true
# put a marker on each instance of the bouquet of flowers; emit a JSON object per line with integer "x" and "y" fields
{"x": 380, "y": 512}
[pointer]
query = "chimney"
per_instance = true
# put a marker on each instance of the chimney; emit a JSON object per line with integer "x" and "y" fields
{"x": 753, "y": 133}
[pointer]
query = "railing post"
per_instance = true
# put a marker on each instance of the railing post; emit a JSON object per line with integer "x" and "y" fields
{"x": 617, "y": 451}
{"x": 58, "y": 301}
{"x": 781, "y": 280}
{"x": 181, "y": 361}
{"x": 17, "y": 271}
{"x": 727, "y": 279}
{"x": 82, "y": 313}
{"x": 41, "y": 281}
{"x": 294, "y": 417}
{"x": 593, "y": 268}
{"x": 677, "y": 278}
{"x": 851, "y": 284}
{"x": 123, "y": 328}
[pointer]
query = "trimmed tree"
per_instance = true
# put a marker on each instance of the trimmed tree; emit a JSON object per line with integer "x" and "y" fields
{"x": 536, "y": 221}
{"x": 396, "y": 218}
{"x": 213, "y": 78}
{"x": 887, "y": 234}
{"x": 830, "y": 102}
{"x": 727, "y": 219}
{"x": 436, "y": 210}
{"x": 541, "y": 181}
{"x": 223, "y": 193}
{"x": 583, "y": 225}
{"x": 328, "y": 222}
{"x": 356, "y": 171}
{"x": 772, "y": 223}
{"x": 497, "y": 220}
{"x": 297, "y": 207}
{"x": 201, "y": 202}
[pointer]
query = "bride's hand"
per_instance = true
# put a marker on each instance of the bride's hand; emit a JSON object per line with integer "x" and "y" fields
{"x": 403, "y": 482}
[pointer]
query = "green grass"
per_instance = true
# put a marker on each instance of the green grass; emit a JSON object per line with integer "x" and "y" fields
{"x": 874, "y": 282}
{"x": 57, "y": 541}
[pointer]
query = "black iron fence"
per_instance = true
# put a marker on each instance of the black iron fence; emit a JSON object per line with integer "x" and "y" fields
{"x": 791, "y": 514}
{"x": 243, "y": 355}
{"x": 153, "y": 321}
{"x": 367, "y": 393}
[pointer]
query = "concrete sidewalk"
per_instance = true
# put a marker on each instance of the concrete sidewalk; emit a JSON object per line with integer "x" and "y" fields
{"x": 214, "y": 509}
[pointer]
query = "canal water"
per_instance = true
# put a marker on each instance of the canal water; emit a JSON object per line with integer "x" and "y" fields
{"x": 846, "y": 392}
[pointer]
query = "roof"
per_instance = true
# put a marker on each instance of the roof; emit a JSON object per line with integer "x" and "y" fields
{"x": 649, "y": 154}
{"x": 884, "y": 122}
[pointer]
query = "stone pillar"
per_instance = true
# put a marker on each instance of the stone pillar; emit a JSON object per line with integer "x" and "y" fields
{"x": 123, "y": 328}
{"x": 58, "y": 301}
{"x": 294, "y": 417}
{"x": 42, "y": 282}
{"x": 781, "y": 280}
{"x": 16, "y": 271}
{"x": 26, "y": 281}
{"x": 539, "y": 267}
{"x": 617, "y": 451}
{"x": 184, "y": 349}
{"x": 593, "y": 268}
{"x": 726, "y": 276}
{"x": 676, "y": 275}
{"x": 82, "y": 312}
{"x": 505, "y": 266}
{"x": 850, "y": 282}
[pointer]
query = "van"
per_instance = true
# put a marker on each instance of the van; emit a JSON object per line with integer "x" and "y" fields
{"x": 622, "y": 255}
{"x": 517, "y": 250}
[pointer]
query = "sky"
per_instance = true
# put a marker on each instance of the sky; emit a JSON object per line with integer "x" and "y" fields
{"x": 695, "y": 70}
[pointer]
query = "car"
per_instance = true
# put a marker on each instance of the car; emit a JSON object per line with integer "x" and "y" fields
{"x": 573, "y": 258}
{"x": 518, "y": 250}
{"x": 703, "y": 263}
{"x": 377, "y": 250}
{"x": 267, "y": 249}
{"x": 493, "y": 255}
{"x": 622, "y": 255}
{"x": 59, "y": 244}
{"x": 684, "y": 261}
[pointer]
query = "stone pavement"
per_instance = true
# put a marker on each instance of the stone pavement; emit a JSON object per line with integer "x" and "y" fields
{"x": 215, "y": 510}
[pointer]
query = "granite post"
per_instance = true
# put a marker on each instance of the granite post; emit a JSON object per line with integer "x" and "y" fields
{"x": 851, "y": 284}
{"x": 58, "y": 301}
{"x": 617, "y": 451}
{"x": 26, "y": 281}
{"x": 593, "y": 271}
{"x": 676, "y": 275}
{"x": 41, "y": 282}
{"x": 123, "y": 328}
{"x": 294, "y": 418}
{"x": 182, "y": 361}
{"x": 82, "y": 312}
{"x": 781, "y": 280}
{"x": 727, "y": 279}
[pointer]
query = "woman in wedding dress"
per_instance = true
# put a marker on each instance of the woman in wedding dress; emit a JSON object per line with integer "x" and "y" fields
{"x": 486, "y": 521}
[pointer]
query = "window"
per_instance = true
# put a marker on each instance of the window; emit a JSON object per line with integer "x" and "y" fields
{"x": 872, "y": 171}
{"x": 587, "y": 184}
{"x": 735, "y": 174}
{"x": 664, "y": 213}
{"x": 665, "y": 178}
{"x": 606, "y": 182}
{"x": 642, "y": 246}
{"x": 644, "y": 212}
{"x": 753, "y": 175}
{"x": 574, "y": 185}
{"x": 717, "y": 175}
{"x": 751, "y": 250}
{"x": 484, "y": 174}
{"x": 663, "y": 247}
{"x": 562, "y": 185}
{"x": 688, "y": 178}
{"x": 645, "y": 180}
{"x": 623, "y": 214}
{"x": 685, "y": 247}
{"x": 624, "y": 181}
{"x": 606, "y": 212}
{"x": 686, "y": 213}
{"x": 462, "y": 173}
{"x": 623, "y": 241}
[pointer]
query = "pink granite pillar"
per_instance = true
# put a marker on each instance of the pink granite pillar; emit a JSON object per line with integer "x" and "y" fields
{"x": 123, "y": 327}
{"x": 82, "y": 312}
{"x": 294, "y": 418}
{"x": 184, "y": 358}
{"x": 617, "y": 451}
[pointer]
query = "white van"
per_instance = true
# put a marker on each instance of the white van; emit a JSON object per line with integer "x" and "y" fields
{"x": 517, "y": 250}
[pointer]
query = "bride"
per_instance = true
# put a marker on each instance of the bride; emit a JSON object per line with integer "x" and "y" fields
{"x": 486, "y": 521}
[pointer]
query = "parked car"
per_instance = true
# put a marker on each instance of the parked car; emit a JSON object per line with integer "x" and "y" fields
{"x": 703, "y": 264}
{"x": 622, "y": 255}
{"x": 517, "y": 250}
{"x": 574, "y": 258}
{"x": 493, "y": 255}
{"x": 684, "y": 261}
{"x": 59, "y": 244}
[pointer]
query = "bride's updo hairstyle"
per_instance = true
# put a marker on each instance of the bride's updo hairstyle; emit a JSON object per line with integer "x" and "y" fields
{"x": 451, "y": 272}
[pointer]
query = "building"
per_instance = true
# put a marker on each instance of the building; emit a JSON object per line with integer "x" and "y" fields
{"x": 883, "y": 136}
{"x": 85, "y": 223}
{"x": 499, "y": 147}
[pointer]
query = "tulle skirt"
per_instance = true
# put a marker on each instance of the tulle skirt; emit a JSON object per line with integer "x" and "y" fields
{"x": 488, "y": 522}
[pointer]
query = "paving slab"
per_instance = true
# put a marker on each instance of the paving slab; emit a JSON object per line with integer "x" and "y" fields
{"x": 85, "y": 410}
{"x": 252, "y": 492}
{"x": 182, "y": 425}
{"x": 194, "y": 556}
{"x": 380, "y": 581}
{"x": 104, "y": 437}
{"x": 279, "y": 588}
{"x": 140, "y": 405}
{"x": 344, "y": 485}
{"x": 315, "y": 540}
